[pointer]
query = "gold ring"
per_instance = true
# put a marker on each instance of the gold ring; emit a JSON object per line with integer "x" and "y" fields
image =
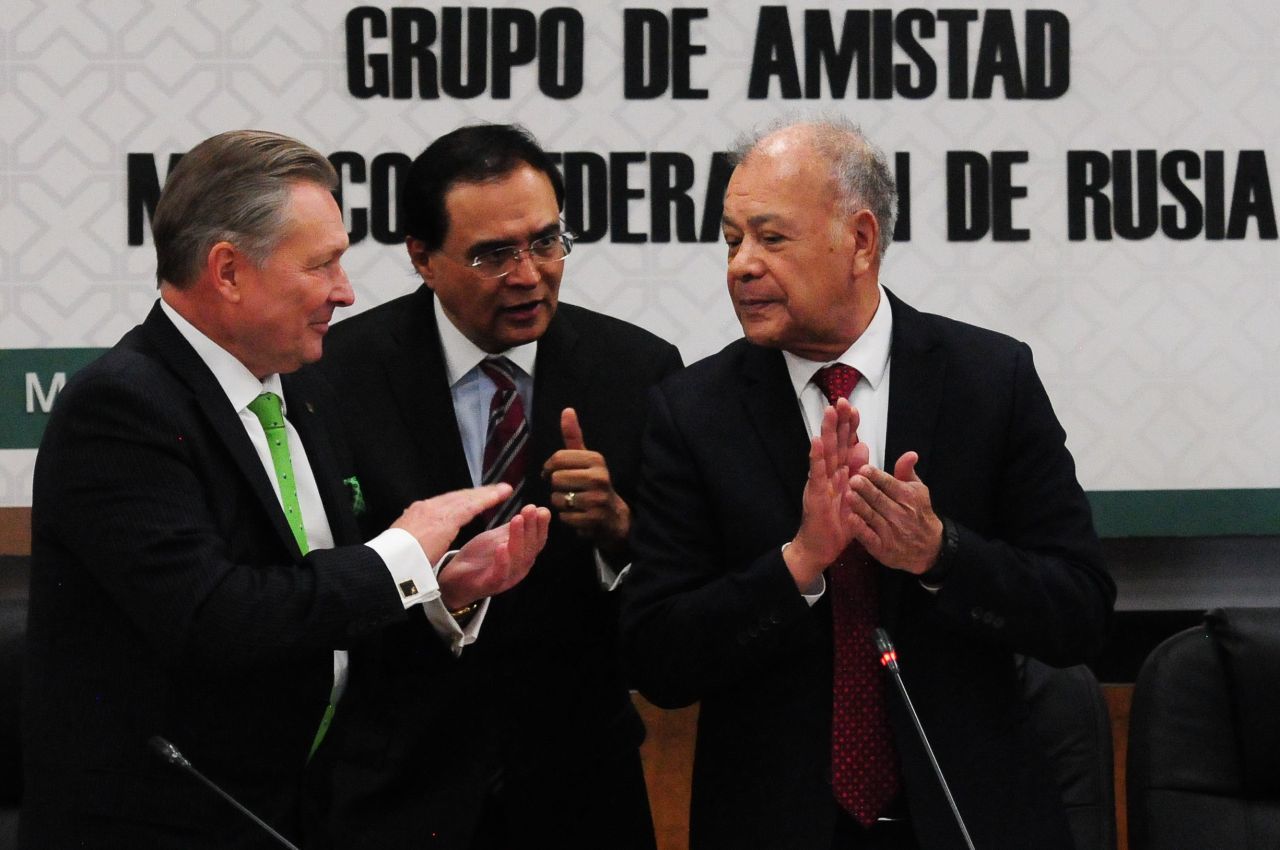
{"x": 569, "y": 497}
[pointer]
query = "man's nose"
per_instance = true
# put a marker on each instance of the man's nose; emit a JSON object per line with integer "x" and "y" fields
{"x": 343, "y": 294}
{"x": 745, "y": 261}
{"x": 526, "y": 272}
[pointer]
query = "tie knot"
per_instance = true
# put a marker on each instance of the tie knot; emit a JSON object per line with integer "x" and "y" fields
{"x": 268, "y": 409}
{"x": 501, "y": 371}
{"x": 836, "y": 381}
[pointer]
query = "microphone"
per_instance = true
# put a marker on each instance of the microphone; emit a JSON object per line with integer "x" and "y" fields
{"x": 889, "y": 660}
{"x": 170, "y": 754}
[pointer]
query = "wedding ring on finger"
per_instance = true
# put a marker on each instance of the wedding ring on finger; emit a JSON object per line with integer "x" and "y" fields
{"x": 569, "y": 499}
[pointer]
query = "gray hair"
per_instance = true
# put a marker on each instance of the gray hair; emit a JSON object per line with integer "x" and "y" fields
{"x": 860, "y": 171}
{"x": 233, "y": 187}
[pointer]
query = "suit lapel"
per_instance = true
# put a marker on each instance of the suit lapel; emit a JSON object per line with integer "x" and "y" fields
{"x": 558, "y": 382}
{"x": 415, "y": 367}
{"x": 771, "y": 407}
{"x": 182, "y": 359}
{"x": 303, "y": 415}
{"x": 918, "y": 373}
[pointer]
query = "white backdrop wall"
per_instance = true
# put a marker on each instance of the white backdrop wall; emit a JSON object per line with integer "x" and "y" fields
{"x": 1158, "y": 344}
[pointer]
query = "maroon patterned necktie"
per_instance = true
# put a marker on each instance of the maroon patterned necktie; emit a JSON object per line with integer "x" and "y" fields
{"x": 506, "y": 440}
{"x": 864, "y": 765}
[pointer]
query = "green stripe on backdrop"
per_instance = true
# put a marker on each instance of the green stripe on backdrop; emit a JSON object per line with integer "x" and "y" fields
{"x": 30, "y": 379}
{"x": 1186, "y": 513}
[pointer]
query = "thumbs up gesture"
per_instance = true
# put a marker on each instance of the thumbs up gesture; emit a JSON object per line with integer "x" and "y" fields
{"x": 582, "y": 493}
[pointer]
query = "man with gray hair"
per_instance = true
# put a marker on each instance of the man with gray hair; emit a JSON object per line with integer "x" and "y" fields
{"x": 195, "y": 558}
{"x": 937, "y": 501}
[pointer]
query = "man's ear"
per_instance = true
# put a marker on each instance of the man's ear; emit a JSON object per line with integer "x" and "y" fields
{"x": 864, "y": 228}
{"x": 421, "y": 259}
{"x": 225, "y": 265}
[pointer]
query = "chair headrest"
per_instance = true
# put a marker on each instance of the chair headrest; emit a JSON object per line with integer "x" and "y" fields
{"x": 1249, "y": 642}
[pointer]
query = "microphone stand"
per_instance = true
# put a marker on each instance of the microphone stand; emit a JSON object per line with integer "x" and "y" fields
{"x": 169, "y": 753}
{"x": 889, "y": 659}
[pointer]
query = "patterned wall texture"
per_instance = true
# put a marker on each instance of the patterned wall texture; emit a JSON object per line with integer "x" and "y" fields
{"x": 1160, "y": 353}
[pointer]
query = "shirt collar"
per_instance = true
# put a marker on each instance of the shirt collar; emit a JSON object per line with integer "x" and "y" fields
{"x": 461, "y": 355}
{"x": 869, "y": 353}
{"x": 239, "y": 384}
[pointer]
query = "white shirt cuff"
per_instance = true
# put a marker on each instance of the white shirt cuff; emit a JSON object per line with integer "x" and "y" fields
{"x": 812, "y": 598}
{"x": 446, "y": 625}
{"x": 408, "y": 564}
{"x": 415, "y": 579}
{"x": 605, "y": 574}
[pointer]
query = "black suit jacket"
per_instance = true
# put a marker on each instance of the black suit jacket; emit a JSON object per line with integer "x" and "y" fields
{"x": 712, "y": 614}
{"x": 535, "y": 712}
{"x": 168, "y": 596}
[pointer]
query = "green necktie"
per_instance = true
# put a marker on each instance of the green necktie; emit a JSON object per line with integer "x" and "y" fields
{"x": 268, "y": 408}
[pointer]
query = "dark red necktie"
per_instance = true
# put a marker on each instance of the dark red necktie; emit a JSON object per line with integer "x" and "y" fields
{"x": 864, "y": 765}
{"x": 506, "y": 440}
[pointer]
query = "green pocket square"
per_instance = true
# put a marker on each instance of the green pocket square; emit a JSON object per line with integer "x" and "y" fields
{"x": 357, "y": 495}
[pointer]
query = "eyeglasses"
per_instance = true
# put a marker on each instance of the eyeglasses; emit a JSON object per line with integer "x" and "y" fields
{"x": 544, "y": 252}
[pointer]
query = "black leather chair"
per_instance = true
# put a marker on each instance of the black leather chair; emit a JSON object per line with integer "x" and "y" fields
{"x": 1071, "y": 718}
{"x": 1204, "y": 737}
{"x": 13, "y": 627}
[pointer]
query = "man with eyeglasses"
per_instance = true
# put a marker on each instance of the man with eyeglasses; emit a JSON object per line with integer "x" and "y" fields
{"x": 527, "y": 737}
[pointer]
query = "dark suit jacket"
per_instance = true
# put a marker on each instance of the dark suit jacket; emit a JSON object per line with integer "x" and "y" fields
{"x": 536, "y": 711}
{"x": 712, "y": 614}
{"x": 169, "y": 597}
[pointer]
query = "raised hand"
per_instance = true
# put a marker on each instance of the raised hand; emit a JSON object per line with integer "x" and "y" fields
{"x": 436, "y": 521}
{"x": 895, "y": 518}
{"x": 828, "y": 522}
{"x": 495, "y": 560}
{"x": 581, "y": 490}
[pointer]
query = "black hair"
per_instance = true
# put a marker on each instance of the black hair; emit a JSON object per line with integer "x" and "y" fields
{"x": 472, "y": 154}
